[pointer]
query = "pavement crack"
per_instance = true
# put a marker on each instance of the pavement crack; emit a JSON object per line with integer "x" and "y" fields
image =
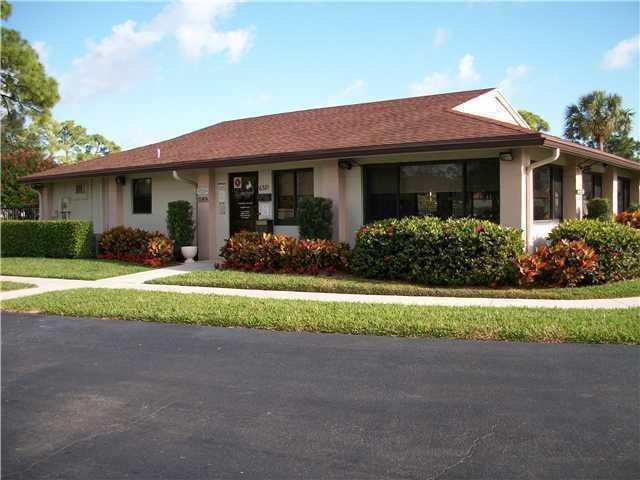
{"x": 469, "y": 453}
{"x": 116, "y": 428}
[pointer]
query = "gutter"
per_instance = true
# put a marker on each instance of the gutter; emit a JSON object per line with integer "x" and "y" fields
{"x": 529, "y": 193}
{"x": 177, "y": 177}
{"x": 523, "y": 140}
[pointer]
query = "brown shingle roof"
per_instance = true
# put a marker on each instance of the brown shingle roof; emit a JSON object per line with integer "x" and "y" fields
{"x": 391, "y": 125}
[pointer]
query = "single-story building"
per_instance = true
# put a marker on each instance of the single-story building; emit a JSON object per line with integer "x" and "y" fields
{"x": 450, "y": 155}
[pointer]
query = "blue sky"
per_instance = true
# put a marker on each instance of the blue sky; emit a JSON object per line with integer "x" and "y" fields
{"x": 142, "y": 72}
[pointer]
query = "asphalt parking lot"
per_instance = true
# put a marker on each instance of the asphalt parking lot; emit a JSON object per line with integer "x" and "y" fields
{"x": 109, "y": 399}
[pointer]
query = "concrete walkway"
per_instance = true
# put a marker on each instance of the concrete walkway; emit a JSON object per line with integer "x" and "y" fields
{"x": 136, "y": 282}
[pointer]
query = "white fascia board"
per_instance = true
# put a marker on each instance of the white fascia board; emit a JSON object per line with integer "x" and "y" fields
{"x": 494, "y": 105}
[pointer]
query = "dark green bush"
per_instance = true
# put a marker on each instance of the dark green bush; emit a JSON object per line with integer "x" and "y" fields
{"x": 431, "y": 251}
{"x": 598, "y": 209}
{"x": 315, "y": 218}
{"x": 180, "y": 224}
{"x": 47, "y": 238}
{"x": 617, "y": 246}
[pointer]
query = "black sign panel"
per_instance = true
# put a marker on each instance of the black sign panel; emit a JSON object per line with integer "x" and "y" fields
{"x": 243, "y": 195}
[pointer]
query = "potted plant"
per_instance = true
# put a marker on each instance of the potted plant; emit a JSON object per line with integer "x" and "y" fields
{"x": 181, "y": 229}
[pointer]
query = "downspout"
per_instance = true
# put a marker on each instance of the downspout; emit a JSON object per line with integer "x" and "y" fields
{"x": 195, "y": 192}
{"x": 529, "y": 191}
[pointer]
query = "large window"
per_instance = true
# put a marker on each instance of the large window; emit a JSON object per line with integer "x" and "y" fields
{"x": 547, "y": 193}
{"x": 441, "y": 189}
{"x": 290, "y": 187}
{"x": 624, "y": 194}
{"x": 141, "y": 195}
{"x": 592, "y": 185}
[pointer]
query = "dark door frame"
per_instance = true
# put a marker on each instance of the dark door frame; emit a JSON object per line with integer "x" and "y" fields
{"x": 232, "y": 196}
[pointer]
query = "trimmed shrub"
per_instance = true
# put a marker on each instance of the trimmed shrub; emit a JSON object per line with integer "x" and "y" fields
{"x": 180, "y": 224}
{"x": 598, "y": 209}
{"x": 431, "y": 251}
{"x": 563, "y": 264}
{"x": 630, "y": 218}
{"x": 617, "y": 246}
{"x": 47, "y": 238}
{"x": 135, "y": 245}
{"x": 255, "y": 252}
{"x": 315, "y": 217}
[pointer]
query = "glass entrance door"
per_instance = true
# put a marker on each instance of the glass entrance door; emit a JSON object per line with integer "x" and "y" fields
{"x": 243, "y": 190}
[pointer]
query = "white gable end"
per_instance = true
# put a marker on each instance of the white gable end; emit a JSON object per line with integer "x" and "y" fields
{"x": 494, "y": 105}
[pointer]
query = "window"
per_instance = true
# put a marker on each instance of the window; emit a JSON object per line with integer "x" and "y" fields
{"x": 441, "y": 189}
{"x": 141, "y": 195}
{"x": 290, "y": 187}
{"x": 624, "y": 194}
{"x": 547, "y": 193}
{"x": 592, "y": 185}
{"x": 81, "y": 188}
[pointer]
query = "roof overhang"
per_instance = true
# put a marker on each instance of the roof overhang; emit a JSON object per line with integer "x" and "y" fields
{"x": 532, "y": 139}
{"x": 572, "y": 148}
{"x": 512, "y": 141}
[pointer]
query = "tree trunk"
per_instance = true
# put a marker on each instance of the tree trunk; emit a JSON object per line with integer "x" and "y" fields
{"x": 601, "y": 143}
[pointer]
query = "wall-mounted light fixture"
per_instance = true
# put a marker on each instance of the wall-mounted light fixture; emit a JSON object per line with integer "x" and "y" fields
{"x": 345, "y": 164}
{"x": 121, "y": 180}
{"x": 505, "y": 156}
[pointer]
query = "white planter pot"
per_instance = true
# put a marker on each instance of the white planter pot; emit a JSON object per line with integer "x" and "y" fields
{"x": 188, "y": 253}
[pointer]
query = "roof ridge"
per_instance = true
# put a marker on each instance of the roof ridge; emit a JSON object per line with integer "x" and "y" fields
{"x": 477, "y": 92}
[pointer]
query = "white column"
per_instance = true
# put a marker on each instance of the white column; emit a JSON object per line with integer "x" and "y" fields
{"x": 571, "y": 184}
{"x": 610, "y": 187}
{"x": 203, "y": 216}
{"x": 330, "y": 185}
{"x": 635, "y": 189}
{"x": 212, "y": 247}
{"x": 513, "y": 190}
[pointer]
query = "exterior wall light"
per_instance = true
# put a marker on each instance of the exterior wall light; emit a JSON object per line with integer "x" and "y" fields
{"x": 505, "y": 157}
{"x": 345, "y": 164}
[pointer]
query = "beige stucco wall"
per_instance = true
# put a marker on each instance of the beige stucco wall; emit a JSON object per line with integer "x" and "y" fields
{"x": 86, "y": 206}
{"x": 108, "y": 205}
{"x": 164, "y": 189}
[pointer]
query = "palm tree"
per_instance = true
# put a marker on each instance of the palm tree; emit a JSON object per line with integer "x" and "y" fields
{"x": 596, "y": 117}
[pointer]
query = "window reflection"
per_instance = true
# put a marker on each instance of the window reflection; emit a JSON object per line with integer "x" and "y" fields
{"x": 443, "y": 189}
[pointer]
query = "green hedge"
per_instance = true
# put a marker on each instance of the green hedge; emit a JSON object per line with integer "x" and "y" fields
{"x": 47, "y": 238}
{"x": 617, "y": 246}
{"x": 431, "y": 251}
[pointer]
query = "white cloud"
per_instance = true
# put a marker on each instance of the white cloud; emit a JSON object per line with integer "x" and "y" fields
{"x": 354, "y": 89}
{"x": 440, "y": 37}
{"x": 437, "y": 82}
{"x": 622, "y": 54}
{"x": 513, "y": 73}
{"x": 42, "y": 49}
{"x": 116, "y": 62}
{"x": 466, "y": 70}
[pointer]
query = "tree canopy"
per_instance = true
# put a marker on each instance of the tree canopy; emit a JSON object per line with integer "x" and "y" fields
{"x": 32, "y": 140}
{"x": 596, "y": 117}
{"x": 536, "y": 122}
{"x": 26, "y": 89}
{"x": 67, "y": 142}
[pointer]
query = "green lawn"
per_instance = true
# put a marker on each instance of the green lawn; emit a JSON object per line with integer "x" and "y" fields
{"x": 73, "y": 268}
{"x": 306, "y": 283}
{"x": 519, "y": 324}
{"x": 6, "y": 286}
